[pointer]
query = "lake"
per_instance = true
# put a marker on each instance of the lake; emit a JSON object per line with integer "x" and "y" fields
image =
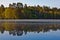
{"x": 13, "y": 30}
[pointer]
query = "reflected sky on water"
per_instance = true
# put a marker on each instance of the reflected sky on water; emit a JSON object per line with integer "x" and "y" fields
{"x": 29, "y": 31}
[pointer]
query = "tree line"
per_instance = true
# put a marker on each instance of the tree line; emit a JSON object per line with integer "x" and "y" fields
{"x": 29, "y": 12}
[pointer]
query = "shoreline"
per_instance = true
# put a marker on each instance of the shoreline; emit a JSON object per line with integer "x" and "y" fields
{"x": 31, "y": 20}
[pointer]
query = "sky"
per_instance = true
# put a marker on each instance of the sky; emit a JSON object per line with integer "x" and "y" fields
{"x": 51, "y": 3}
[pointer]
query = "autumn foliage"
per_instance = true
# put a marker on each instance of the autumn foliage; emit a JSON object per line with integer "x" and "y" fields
{"x": 29, "y": 12}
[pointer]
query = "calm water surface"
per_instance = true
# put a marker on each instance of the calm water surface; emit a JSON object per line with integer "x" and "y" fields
{"x": 29, "y": 31}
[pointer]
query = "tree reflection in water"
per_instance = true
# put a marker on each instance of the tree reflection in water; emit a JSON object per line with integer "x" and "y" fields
{"x": 16, "y": 28}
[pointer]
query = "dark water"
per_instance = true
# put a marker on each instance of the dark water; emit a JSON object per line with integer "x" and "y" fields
{"x": 29, "y": 31}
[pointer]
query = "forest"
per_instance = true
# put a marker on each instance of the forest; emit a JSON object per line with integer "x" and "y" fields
{"x": 20, "y": 11}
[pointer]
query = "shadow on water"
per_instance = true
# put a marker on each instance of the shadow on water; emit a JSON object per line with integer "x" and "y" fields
{"x": 17, "y": 28}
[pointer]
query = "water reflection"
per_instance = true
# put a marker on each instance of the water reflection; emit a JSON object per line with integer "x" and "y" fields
{"x": 17, "y": 28}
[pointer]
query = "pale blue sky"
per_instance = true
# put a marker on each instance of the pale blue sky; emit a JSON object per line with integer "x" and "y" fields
{"x": 51, "y": 3}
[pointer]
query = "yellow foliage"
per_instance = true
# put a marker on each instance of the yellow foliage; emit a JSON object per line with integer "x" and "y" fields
{"x": 8, "y": 25}
{"x": 10, "y": 13}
